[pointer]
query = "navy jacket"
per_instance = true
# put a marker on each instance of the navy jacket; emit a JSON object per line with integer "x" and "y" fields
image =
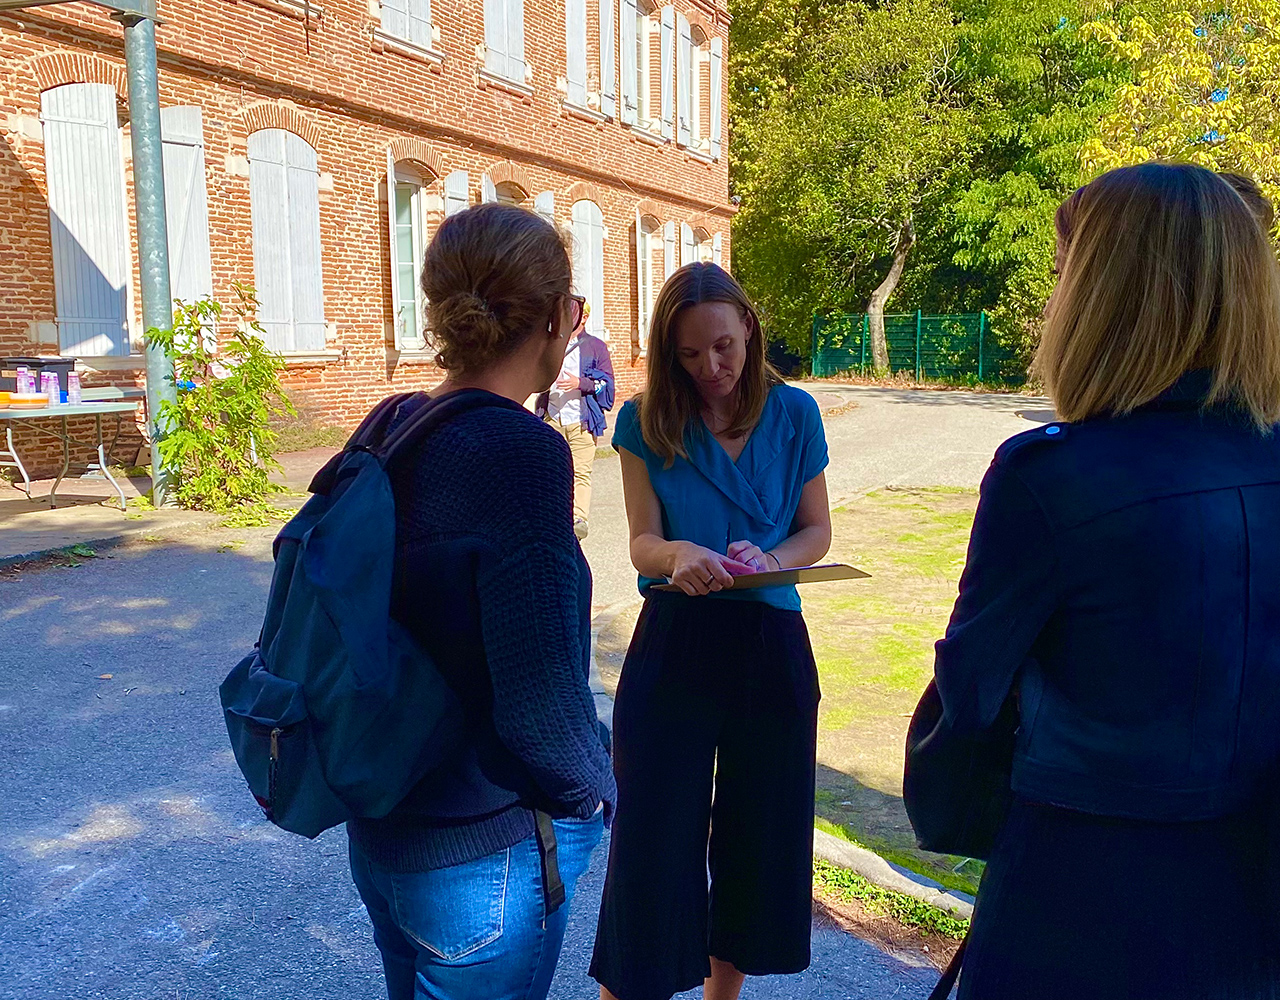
{"x": 1123, "y": 581}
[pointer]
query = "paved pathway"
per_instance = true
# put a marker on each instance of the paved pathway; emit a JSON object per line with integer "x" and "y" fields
{"x": 132, "y": 861}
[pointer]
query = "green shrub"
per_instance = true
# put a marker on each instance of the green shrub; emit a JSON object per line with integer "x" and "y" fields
{"x": 217, "y": 435}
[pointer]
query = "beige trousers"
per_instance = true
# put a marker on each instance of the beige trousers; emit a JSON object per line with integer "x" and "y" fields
{"x": 582, "y": 446}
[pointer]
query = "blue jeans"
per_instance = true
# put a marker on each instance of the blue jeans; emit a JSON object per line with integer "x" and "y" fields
{"x": 476, "y": 930}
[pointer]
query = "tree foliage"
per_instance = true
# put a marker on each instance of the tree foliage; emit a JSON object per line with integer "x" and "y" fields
{"x": 1204, "y": 82}
{"x": 972, "y": 119}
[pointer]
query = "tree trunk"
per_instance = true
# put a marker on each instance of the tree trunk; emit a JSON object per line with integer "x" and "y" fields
{"x": 880, "y": 297}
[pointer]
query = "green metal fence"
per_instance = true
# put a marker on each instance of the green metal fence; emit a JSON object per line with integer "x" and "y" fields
{"x": 956, "y": 348}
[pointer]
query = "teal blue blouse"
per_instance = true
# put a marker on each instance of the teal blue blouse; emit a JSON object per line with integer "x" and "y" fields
{"x": 711, "y": 500}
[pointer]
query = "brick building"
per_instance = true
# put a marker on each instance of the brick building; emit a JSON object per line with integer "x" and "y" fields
{"x": 287, "y": 124}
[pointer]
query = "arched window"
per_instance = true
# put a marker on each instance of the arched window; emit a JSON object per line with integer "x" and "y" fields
{"x": 88, "y": 228}
{"x": 414, "y": 211}
{"x": 284, "y": 200}
{"x": 588, "y": 261}
{"x": 649, "y": 273}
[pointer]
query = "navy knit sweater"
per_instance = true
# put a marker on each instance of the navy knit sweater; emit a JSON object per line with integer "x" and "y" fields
{"x": 490, "y": 579}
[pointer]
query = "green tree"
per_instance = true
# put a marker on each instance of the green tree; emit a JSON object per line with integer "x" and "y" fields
{"x": 844, "y": 160}
{"x": 1204, "y": 79}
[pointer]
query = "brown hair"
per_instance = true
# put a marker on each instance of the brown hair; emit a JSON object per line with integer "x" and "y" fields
{"x": 1259, "y": 204}
{"x": 670, "y": 404}
{"x": 1164, "y": 270}
{"x": 492, "y": 276}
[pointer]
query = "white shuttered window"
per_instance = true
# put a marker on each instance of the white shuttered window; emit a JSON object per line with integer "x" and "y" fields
{"x": 545, "y": 205}
{"x": 409, "y": 20}
{"x": 284, "y": 200}
{"x": 186, "y": 204}
{"x": 665, "y": 56}
{"x": 588, "y": 261}
{"x": 575, "y": 42}
{"x": 608, "y": 60}
{"x": 91, "y": 264}
{"x": 688, "y": 245}
{"x": 457, "y": 195}
{"x": 648, "y": 244}
{"x": 670, "y": 261}
{"x": 504, "y": 38}
{"x": 717, "y": 87}
{"x": 685, "y": 70}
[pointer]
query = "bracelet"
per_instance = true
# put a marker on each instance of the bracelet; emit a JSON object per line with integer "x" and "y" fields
{"x": 776, "y": 561}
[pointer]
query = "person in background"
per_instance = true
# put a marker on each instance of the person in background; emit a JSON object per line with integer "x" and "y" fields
{"x": 491, "y": 581}
{"x": 717, "y": 709}
{"x": 1123, "y": 588}
{"x": 575, "y": 407}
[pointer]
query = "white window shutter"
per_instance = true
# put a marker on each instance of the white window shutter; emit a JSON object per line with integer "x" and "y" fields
{"x": 394, "y": 255}
{"x": 669, "y": 262}
{"x": 684, "y": 79}
{"x": 269, "y": 210}
{"x": 717, "y": 86}
{"x": 488, "y": 190}
{"x": 717, "y": 250}
{"x": 303, "y": 176}
{"x": 575, "y": 43}
{"x": 186, "y": 204}
{"x": 630, "y": 101}
{"x": 588, "y": 261}
{"x": 515, "y": 41}
{"x": 545, "y": 205}
{"x": 395, "y": 17}
{"x": 641, "y": 304}
{"x": 688, "y": 248}
{"x": 666, "y": 53}
{"x": 457, "y": 195}
{"x": 87, "y": 222}
{"x": 595, "y": 322}
{"x": 419, "y": 14}
{"x": 496, "y": 47}
{"x": 608, "y": 60}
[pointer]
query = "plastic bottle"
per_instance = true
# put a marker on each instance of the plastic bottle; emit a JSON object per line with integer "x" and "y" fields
{"x": 23, "y": 380}
{"x": 73, "y": 389}
{"x": 49, "y": 386}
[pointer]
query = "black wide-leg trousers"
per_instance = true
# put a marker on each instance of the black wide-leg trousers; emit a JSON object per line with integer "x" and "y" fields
{"x": 715, "y": 730}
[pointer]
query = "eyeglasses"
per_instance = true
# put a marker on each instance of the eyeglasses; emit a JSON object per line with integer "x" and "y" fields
{"x": 578, "y": 306}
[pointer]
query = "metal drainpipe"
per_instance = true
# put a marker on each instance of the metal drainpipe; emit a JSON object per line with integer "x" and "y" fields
{"x": 153, "y": 233}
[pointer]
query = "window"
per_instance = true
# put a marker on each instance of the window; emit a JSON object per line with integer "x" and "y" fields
{"x": 699, "y": 85}
{"x": 457, "y": 193}
{"x": 87, "y": 222}
{"x": 504, "y": 39}
{"x": 667, "y": 47}
{"x": 637, "y": 71}
{"x": 575, "y": 42}
{"x": 508, "y": 193}
{"x": 408, "y": 20}
{"x": 588, "y": 261}
{"x": 284, "y": 199}
{"x": 413, "y": 208}
{"x": 649, "y": 274}
{"x": 545, "y": 205}
{"x": 186, "y": 205}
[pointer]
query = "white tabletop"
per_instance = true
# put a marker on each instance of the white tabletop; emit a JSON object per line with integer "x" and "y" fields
{"x": 67, "y": 410}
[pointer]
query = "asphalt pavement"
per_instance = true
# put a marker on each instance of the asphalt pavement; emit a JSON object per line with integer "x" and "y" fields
{"x": 134, "y": 864}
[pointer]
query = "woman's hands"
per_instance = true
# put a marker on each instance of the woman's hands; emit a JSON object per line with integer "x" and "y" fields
{"x": 699, "y": 571}
{"x": 760, "y": 562}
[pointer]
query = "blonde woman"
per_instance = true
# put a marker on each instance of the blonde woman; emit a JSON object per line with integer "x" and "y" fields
{"x": 716, "y": 714}
{"x": 1123, "y": 587}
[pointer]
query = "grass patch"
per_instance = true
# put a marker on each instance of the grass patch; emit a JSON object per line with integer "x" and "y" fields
{"x": 303, "y": 435}
{"x": 257, "y": 515}
{"x": 873, "y": 642}
{"x": 846, "y": 885}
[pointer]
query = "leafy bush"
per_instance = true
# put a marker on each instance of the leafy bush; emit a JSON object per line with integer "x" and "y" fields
{"x": 217, "y": 434}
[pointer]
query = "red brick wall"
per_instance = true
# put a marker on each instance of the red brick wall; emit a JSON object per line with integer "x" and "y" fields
{"x": 247, "y": 66}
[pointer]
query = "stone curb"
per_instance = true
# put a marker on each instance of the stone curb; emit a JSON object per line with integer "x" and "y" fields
{"x": 106, "y": 542}
{"x": 879, "y": 872}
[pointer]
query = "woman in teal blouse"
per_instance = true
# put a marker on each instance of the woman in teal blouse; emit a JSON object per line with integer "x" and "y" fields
{"x": 716, "y": 715}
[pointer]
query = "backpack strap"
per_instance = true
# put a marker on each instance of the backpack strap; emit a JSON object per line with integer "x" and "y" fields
{"x": 430, "y": 416}
{"x": 367, "y": 436}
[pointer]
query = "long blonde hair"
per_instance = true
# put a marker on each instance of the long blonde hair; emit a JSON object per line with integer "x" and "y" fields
{"x": 670, "y": 404}
{"x": 1165, "y": 269}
